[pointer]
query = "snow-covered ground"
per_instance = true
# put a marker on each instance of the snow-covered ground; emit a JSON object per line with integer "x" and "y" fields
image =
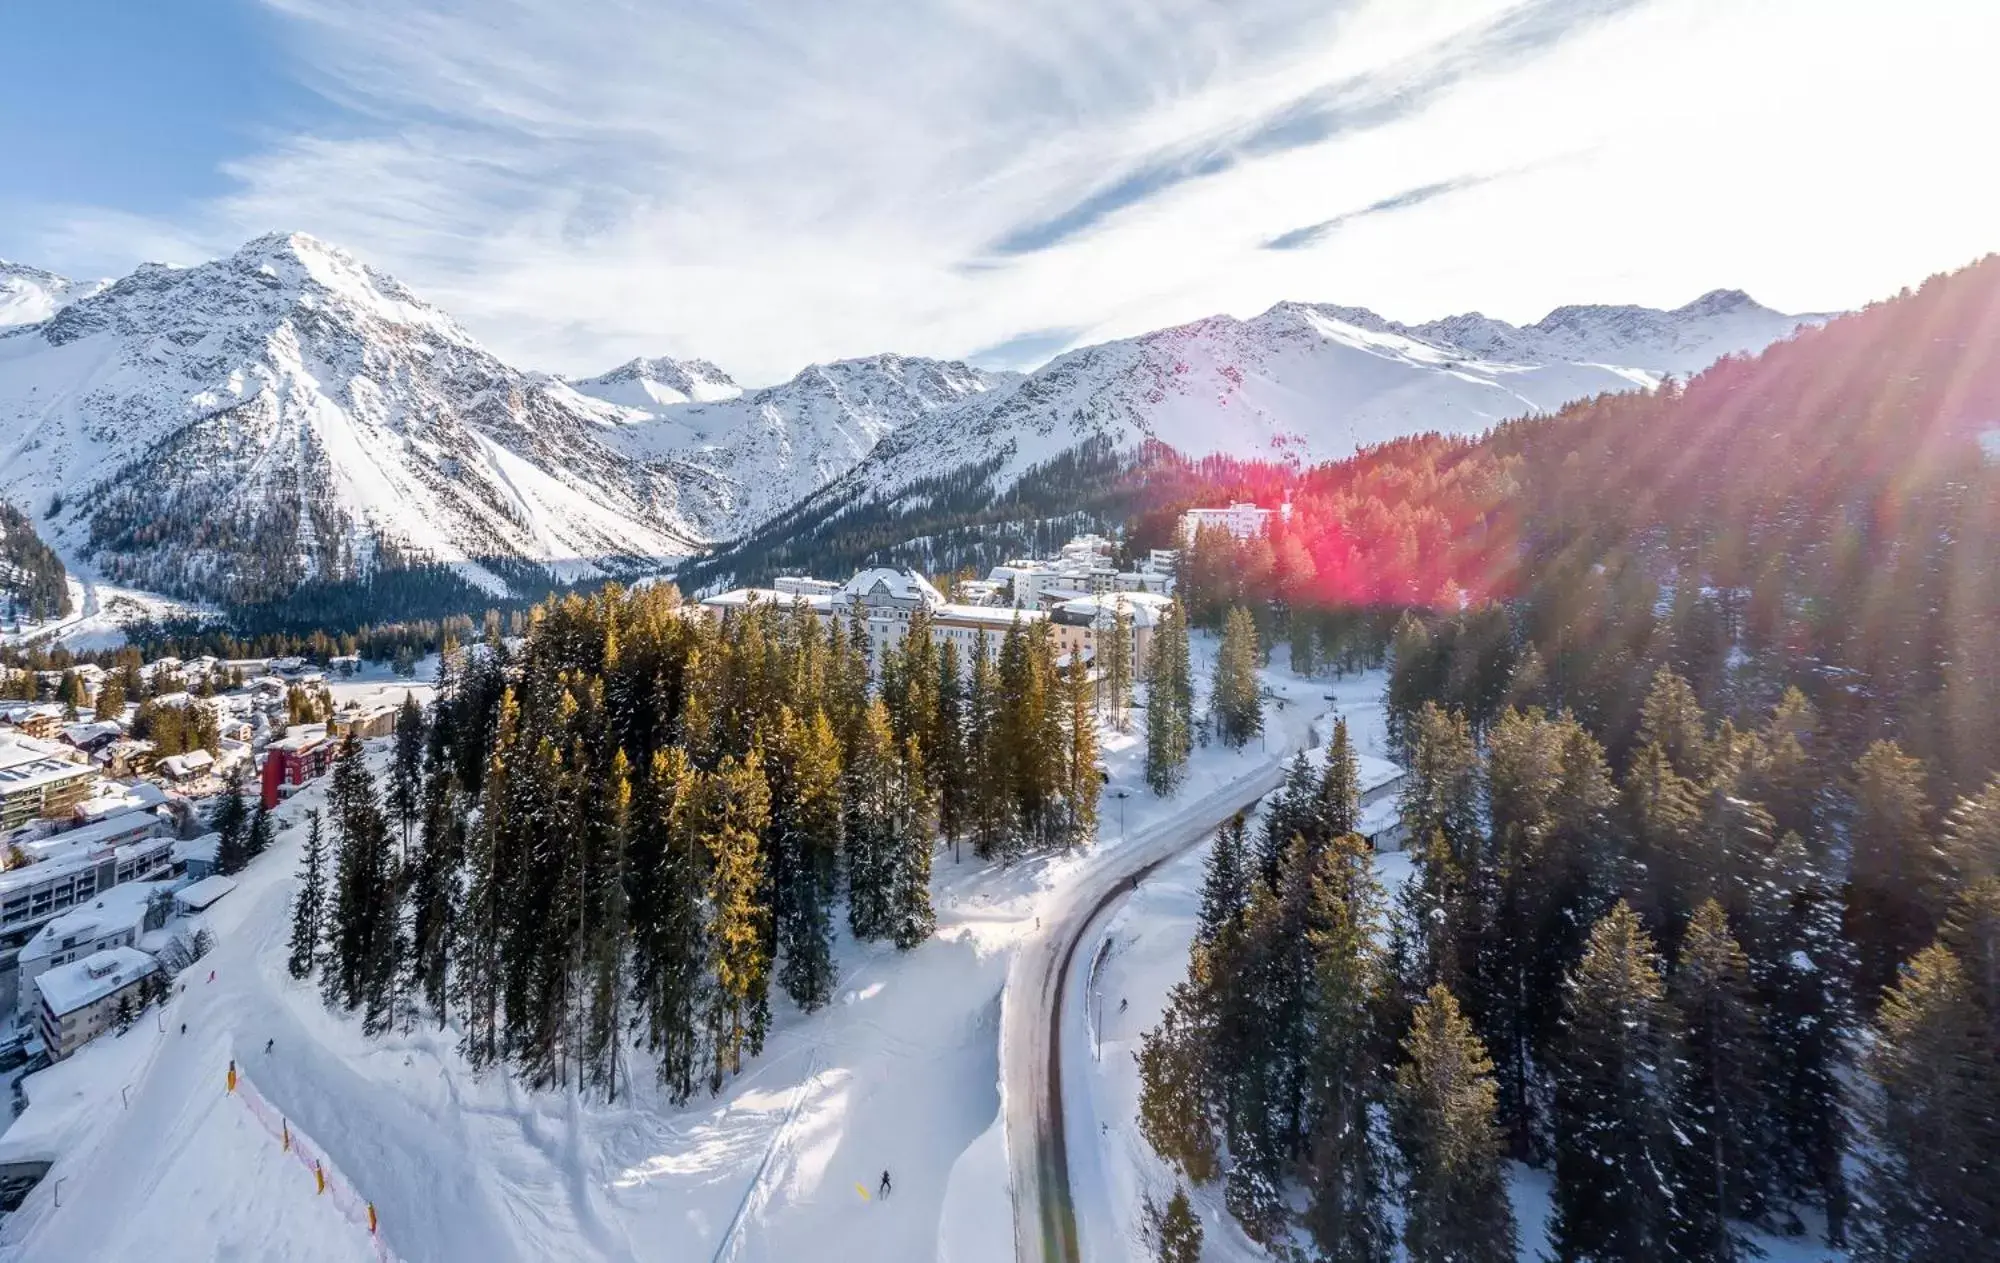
{"x": 99, "y": 615}
{"x": 899, "y": 1072}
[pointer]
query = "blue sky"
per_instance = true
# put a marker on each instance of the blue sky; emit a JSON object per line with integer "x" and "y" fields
{"x": 766, "y": 185}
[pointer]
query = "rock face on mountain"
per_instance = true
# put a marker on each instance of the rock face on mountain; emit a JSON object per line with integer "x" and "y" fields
{"x": 1311, "y": 382}
{"x": 231, "y": 430}
{"x": 649, "y": 385}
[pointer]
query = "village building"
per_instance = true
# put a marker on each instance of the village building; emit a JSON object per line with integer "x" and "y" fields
{"x": 82, "y": 1000}
{"x": 1242, "y": 520}
{"x": 303, "y": 754}
{"x": 40, "y": 778}
{"x": 364, "y": 722}
{"x": 118, "y": 917}
{"x": 40, "y": 720}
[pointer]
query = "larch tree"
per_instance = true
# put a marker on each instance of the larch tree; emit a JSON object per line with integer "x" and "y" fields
{"x": 734, "y": 810}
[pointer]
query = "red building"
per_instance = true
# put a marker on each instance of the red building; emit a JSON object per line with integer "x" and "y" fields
{"x": 295, "y": 760}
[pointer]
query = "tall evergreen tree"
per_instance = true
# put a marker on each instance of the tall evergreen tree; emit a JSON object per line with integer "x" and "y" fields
{"x": 366, "y": 898}
{"x": 1616, "y": 1194}
{"x": 668, "y": 866}
{"x": 434, "y": 886}
{"x": 1081, "y": 779}
{"x": 232, "y": 826}
{"x": 1440, "y": 794}
{"x": 1169, "y": 704}
{"x": 734, "y": 809}
{"x": 1442, "y": 1114}
{"x": 308, "y": 907}
{"x": 1225, "y": 889}
{"x": 806, "y": 840}
{"x": 1894, "y": 878}
{"x": 257, "y": 837}
{"x": 1721, "y": 1113}
{"x": 1239, "y": 710}
{"x": 869, "y": 831}
{"x": 1345, "y": 1172}
{"x": 1931, "y": 1189}
{"x": 1114, "y": 661}
{"x": 406, "y": 769}
{"x": 908, "y": 903}
{"x": 952, "y": 767}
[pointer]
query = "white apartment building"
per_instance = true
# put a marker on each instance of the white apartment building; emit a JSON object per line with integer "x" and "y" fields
{"x": 1242, "y": 520}
{"x": 80, "y": 1000}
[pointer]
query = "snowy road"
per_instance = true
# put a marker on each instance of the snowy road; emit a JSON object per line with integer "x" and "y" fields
{"x": 1031, "y": 1026}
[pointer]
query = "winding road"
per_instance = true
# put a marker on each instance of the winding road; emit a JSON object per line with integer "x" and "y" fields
{"x": 1031, "y": 1008}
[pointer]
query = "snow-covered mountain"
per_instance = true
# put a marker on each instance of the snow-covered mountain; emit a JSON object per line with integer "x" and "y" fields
{"x": 651, "y": 384}
{"x": 772, "y": 447}
{"x": 1314, "y": 382}
{"x": 231, "y": 429}
{"x": 28, "y": 295}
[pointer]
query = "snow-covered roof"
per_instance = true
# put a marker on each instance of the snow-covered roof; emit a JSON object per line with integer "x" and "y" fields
{"x": 193, "y": 763}
{"x": 993, "y": 616}
{"x": 903, "y": 585}
{"x": 117, "y": 798}
{"x": 738, "y": 598}
{"x": 67, "y": 988}
{"x": 1145, "y": 608}
{"x": 119, "y": 908}
{"x": 204, "y": 892}
{"x": 124, "y": 827}
{"x": 201, "y": 848}
{"x": 84, "y": 734}
{"x": 1375, "y": 771}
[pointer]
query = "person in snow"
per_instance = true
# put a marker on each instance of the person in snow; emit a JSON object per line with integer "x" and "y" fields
{"x": 269, "y": 1044}
{"x": 883, "y": 1191}
{"x": 184, "y": 1028}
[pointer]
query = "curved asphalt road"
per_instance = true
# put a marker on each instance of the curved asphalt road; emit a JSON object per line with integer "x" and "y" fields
{"x": 1030, "y": 1029}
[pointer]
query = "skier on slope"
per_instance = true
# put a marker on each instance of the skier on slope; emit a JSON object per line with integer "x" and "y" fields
{"x": 883, "y": 1190}
{"x": 269, "y": 1044}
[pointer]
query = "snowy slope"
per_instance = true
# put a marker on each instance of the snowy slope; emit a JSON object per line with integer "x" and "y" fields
{"x": 287, "y": 413}
{"x": 1314, "y": 382}
{"x": 28, "y": 295}
{"x": 772, "y": 447}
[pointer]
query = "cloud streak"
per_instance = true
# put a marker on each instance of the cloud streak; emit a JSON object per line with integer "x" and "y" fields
{"x": 1313, "y": 234}
{"x": 1357, "y": 103}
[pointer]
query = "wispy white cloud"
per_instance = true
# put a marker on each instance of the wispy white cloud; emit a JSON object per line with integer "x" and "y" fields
{"x": 801, "y": 179}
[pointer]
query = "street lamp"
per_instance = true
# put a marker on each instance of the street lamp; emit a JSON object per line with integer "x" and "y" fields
{"x": 1121, "y": 795}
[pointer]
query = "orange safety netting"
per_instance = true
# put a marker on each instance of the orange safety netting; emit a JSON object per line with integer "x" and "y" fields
{"x": 326, "y": 1178}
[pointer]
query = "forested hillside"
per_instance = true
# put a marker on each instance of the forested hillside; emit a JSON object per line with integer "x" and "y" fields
{"x": 1698, "y": 691}
{"x": 33, "y": 584}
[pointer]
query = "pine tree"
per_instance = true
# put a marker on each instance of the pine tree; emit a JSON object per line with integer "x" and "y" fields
{"x": 1894, "y": 879}
{"x": 232, "y": 824}
{"x": 1440, "y": 794}
{"x": 405, "y": 797}
{"x": 1338, "y": 809}
{"x": 1114, "y": 658}
{"x": 1345, "y": 1173}
{"x": 1615, "y": 1195}
{"x": 1177, "y": 1232}
{"x": 985, "y": 803}
{"x": 1971, "y": 932}
{"x": 363, "y": 910}
{"x": 1442, "y": 1114}
{"x": 951, "y": 770}
{"x": 1671, "y": 718}
{"x": 257, "y": 838}
{"x": 871, "y": 781}
{"x": 908, "y": 905}
{"x": 1081, "y": 780}
{"x": 1799, "y": 962}
{"x": 110, "y": 704}
{"x": 476, "y": 946}
{"x": 434, "y": 887}
{"x": 1932, "y": 1170}
{"x": 668, "y": 867}
{"x": 308, "y": 908}
{"x": 1290, "y": 817}
{"x": 1239, "y": 711}
{"x": 1971, "y": 840}
{"x": 1663, "y": 819}
{"x": 607, "y": 934}
{"x": 1225, "y": 889}
{"x": 1175, "y": 1078}
{"x": 806, "y": 842}
{"x": 1721, "y": 1114}
{"x": 734, "y": 809}
{"x": 1169, "y": 704}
